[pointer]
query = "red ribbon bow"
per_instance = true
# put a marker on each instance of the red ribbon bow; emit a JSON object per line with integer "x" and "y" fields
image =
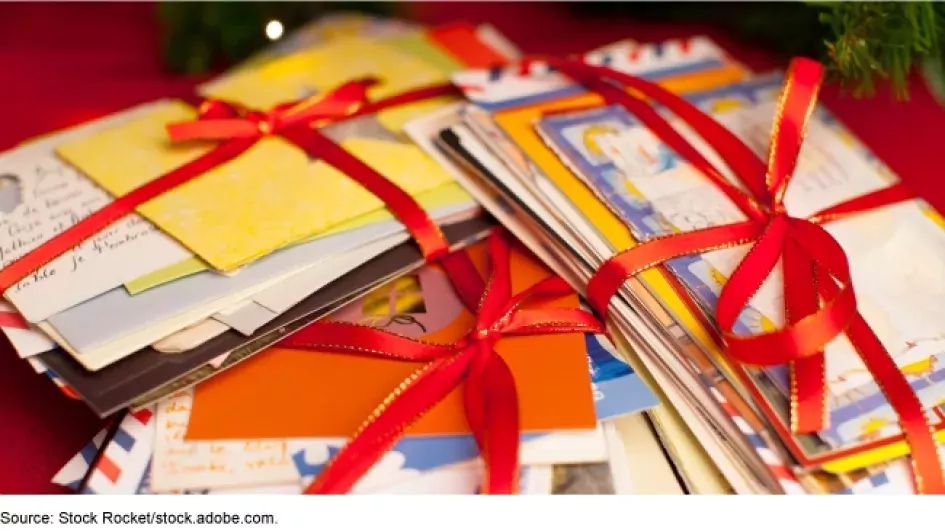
{"x": 819, "y": 298}
{"x": 223, "y": 121}
{"x": 490, "y": 397}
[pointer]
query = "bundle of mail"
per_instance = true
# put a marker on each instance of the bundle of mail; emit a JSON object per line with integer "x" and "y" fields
{"x": 170, "y": 321}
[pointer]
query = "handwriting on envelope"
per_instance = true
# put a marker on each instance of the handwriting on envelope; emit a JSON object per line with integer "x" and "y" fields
{"x": 178, "y": 464}
{"x": 41, "y": 196}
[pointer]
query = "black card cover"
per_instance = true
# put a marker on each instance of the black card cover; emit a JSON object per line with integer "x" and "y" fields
{"x": 149, "y": 375}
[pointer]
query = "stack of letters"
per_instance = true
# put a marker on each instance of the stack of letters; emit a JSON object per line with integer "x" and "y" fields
{"x": 172, "y": 320}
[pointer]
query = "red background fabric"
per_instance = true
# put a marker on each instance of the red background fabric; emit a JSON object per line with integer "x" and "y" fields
{"x": 61, "y": 64}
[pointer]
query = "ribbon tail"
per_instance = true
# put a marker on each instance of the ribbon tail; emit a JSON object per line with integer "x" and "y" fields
{"x": 926, "y": 461}
{"x": 473, "y": 393}
{"x": 499, "y": 289}
{"x": 885, "y": 197}
{"x": 492, "y": 411}
{"x": 808, "y": 375}
{"x": 411, "y": 400}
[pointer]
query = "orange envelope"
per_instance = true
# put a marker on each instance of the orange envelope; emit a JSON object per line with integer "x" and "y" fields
{"x": 283, "y": 393}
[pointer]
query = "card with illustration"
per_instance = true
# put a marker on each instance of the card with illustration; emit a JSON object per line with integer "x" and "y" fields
{"x": 656, "y": 193}
{"x": 280, "y": 191}
{"x": 41, "y": 196}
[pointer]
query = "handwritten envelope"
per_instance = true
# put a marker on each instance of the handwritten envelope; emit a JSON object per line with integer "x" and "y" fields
{"x": 178, "y": 464}
{"x": 290, "y": 393}
{"x": 274, "y": 194}
{"x": 40, "y": 196}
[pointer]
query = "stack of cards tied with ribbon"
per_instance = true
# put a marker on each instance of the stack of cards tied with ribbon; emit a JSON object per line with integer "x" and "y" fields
{"x": 147, "y": 250}
{"x": 740, "y": 242}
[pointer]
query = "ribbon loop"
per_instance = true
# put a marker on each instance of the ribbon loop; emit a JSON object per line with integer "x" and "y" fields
{"x": 798, "y": 101}
{"x": 218, "y": 120}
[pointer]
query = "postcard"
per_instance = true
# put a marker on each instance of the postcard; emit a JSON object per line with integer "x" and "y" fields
{"x": 190, "y": 337}
{"x": 41, "y": 196}
{"x": 533, "y": 480}
{"x": 275, "y": 300}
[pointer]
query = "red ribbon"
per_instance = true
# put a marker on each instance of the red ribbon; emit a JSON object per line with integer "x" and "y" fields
{"x": 491, "y": 401}
{"x": 820, "y": 301}
{"x": 239, "y": 129}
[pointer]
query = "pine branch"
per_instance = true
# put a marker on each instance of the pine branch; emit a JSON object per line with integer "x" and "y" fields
{"x": 882, "y": 40}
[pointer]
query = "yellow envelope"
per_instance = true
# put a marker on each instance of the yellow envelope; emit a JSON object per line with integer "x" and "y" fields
{"x": 443, "y": 196}
{"x": 273, "y": 194}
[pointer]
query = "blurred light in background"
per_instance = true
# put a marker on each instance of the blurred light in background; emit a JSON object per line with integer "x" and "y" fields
{"x": 274, "y": 30}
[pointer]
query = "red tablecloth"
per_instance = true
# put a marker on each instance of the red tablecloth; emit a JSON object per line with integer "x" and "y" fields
{"x": 64, "y": 63}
